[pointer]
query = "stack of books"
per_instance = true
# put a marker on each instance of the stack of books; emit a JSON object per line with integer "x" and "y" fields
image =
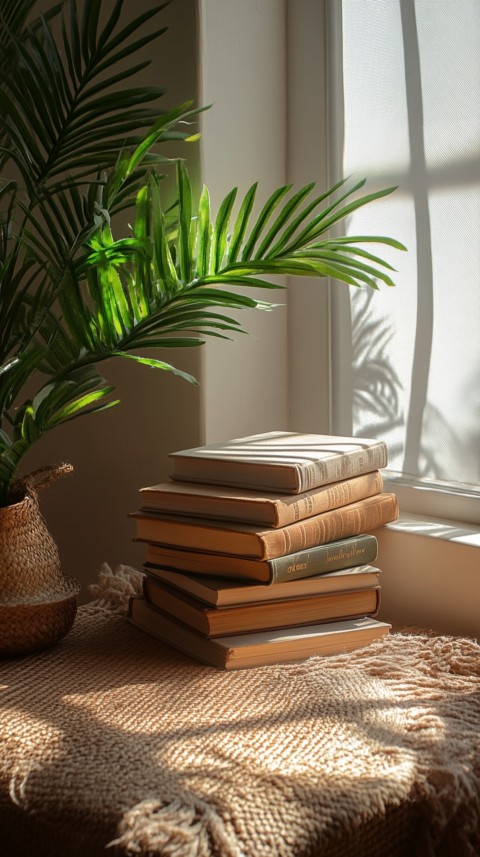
{"x": 260, "y": 550}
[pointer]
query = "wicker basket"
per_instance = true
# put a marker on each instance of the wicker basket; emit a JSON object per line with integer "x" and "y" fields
{"x": 37, "y": 602}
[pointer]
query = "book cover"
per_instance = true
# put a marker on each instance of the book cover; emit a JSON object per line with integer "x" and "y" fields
{"x": 264, "y": 508}
{"x": 260, "y": 648}
{"x": 221, "y": 592}
{"x": 287, "y": 462}
{"x": 250, "y": 541}
{"x": 259, "y": 616}
{"x": 343, "y": 553}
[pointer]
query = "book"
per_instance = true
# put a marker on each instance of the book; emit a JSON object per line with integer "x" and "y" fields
{"x": 265, "y": 508}
{"x": 261, "y": 648}
{"x": 260, "y": 616}
{"x": 221, "y": 592}
{"x": 250, "y": 541}
{"x": 287, "y": 462}
{"x": 343, "y": 553}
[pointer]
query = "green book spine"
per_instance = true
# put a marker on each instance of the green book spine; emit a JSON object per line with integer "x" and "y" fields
{"x": 360, "y": 550}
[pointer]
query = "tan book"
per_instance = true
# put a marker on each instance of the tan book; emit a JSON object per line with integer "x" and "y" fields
{"x": 343, "y": 553}
{"x": 260, "y": 648}
{"x": 221, "y": 592}
{"x": 247, "y": 540}
{"x": 260, "y": 616}
{"x": 287, "y": 462}
{"x": 266, "y": 508}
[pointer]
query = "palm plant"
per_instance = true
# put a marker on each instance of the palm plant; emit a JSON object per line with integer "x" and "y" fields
{"x": 78, "y": 146}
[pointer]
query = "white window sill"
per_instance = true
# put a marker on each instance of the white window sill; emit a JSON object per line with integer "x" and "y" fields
{"x": 431, "y": 574}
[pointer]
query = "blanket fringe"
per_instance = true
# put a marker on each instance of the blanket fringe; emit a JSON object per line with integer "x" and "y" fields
{"x": 115, "y": 588}
{"x": 175, "y": 829}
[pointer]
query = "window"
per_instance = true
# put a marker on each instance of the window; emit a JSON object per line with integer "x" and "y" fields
{"x": 406, "y": 361}
{"x": 402, "y": 85}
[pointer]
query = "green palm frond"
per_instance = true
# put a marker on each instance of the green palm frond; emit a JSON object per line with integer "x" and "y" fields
{"x": 55, "y": 235}
{"x": 152, "y": 285}
{"x": 63, "y": 113}
{"x": 81, "y": 137}
{"x": 81, "y": 392}
{"x": 172, "y": 286}
{"x": 14, "y": 15}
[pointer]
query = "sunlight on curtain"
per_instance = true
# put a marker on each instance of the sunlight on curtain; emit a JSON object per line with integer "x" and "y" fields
{"x": 407, "y": 360}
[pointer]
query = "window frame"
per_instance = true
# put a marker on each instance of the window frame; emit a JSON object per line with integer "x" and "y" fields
{"x": 306, "y": 69}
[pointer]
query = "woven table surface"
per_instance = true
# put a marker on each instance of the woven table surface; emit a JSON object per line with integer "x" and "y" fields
{"x": 113, "y": 738}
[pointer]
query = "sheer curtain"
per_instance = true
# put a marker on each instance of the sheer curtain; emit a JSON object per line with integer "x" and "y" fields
{"x": 405, "y": 78}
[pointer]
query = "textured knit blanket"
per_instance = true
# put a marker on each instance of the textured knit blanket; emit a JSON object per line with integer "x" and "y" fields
{"x": 114, "y": 739}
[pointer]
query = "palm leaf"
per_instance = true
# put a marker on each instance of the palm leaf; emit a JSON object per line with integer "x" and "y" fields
{"x": 283, "y": 218}
{"x": 204, "y": 234}
{"x": 292, "y": 228}
{"x": 154, "y": 363}
{"x": 241, "y": 223}
{"x": 57, "y": 102}
{"x": 140, "y": 298}
{"x": 265, "y": 214}
{"x": 14, "y": 16}
{"x": 324, "y": 221}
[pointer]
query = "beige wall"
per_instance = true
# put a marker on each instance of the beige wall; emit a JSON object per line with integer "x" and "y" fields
{"x": 430, "y": 574}
{"x": 243, "y": 75}
{"x": 255, "y": 57}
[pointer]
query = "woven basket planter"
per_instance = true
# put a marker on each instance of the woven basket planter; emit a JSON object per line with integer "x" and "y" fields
{"x": 37, "y": 602}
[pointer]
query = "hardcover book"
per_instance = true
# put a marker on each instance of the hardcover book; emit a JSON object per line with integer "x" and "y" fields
{"x": 287, "y": 462}
{"x": 259, "y": 616}
{"x": 265, "y": 508}
{"x": 221, "y": 592}
{"x": 344, "y": 553}
{"x": 250, "y": 541}
{"x": 260, "y": 648}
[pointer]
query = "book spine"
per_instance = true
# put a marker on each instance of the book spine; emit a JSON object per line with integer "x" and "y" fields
{"x": 329, "y": 497}
{"x": 329, "y": 557}
{"x": 361, "y": 517}
{"x": 342, "y": 466}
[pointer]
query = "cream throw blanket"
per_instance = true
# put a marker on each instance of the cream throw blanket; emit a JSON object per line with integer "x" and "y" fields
{"x": 113, "y": 737}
